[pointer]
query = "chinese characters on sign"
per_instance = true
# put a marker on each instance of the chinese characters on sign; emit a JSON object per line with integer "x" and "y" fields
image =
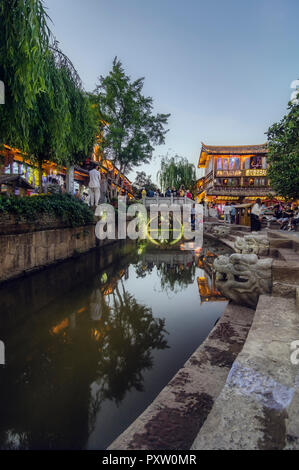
{"x": 256, "y": 172}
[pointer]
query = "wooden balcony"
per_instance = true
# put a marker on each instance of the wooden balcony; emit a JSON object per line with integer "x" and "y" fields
{"x": 239, "y": 190}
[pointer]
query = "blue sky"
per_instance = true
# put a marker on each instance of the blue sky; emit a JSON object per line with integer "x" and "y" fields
{"x": 222, "y": 68}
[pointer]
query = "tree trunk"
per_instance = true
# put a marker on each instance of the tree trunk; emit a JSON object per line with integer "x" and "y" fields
{"x": 40, "y": 176}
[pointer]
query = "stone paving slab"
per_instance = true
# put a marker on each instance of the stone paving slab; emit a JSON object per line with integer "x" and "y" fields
{"x": 258, "y": 407}
{"x": 175, "y": 417}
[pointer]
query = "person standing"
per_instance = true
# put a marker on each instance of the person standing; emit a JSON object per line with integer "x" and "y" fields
{"x": 94, "y": 186}
{"x": 182, "y": 191}
{"x": 188, "y": 194}
{"x": 227, "y": 213}
{"x": 255, "y": 216}
{"x": 232, "y": 213}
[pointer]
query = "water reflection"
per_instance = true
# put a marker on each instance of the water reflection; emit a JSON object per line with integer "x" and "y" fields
{"x": 175, "y": 270}
{"x": 106, "y": 338}
{"x": 80, "y": 342}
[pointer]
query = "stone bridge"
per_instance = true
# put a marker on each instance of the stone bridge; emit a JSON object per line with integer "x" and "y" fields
{"x": 148, "y": 201}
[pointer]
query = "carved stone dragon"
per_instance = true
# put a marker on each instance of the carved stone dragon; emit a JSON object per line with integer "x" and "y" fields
{"x": 243, "y": 277}
{"x": 220, "y": 231}
{"x": 252, "y": 243}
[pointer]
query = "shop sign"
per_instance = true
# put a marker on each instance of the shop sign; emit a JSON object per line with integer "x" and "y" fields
{"x": 256, "y": 172}
{"x": 228, "y": 173}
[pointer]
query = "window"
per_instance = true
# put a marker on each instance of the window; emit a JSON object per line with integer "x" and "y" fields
{"x": 256, "y": 162}
{"x": 259, "y": 181}
{"x": 225, "y": 163}
{"x": 219, "y": 163}
{"x": 247, "y": 163}
{"x": 234, "y": 163}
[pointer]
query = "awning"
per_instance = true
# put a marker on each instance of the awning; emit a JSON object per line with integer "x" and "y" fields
{"x": 15, "y": 180}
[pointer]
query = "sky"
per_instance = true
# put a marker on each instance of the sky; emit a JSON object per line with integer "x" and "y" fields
{"x": 221, "y": 68}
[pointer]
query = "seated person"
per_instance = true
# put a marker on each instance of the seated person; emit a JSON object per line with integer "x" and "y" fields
{"x": 286, "y": 215}
{"x": 293, "y": 221}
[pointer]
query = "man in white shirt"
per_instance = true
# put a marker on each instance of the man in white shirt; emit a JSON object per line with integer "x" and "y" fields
{"x": 226, "y": 213}
{"x": 94, "y": 186}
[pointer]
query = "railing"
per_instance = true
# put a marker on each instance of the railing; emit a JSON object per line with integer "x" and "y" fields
{"x": 148, "y": 201}
{"x": 221, "y": 190}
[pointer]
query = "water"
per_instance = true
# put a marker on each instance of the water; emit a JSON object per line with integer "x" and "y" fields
{"x": 90, "y": 343}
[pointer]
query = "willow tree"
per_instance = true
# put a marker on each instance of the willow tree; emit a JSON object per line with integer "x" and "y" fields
{"x": 283, "y": 156}
{"x": 24, "y": 41}
{"x": 63, "y": 126}
{"x": 133, "y": 129}
{"x": 46, "y": 113}
{"x": 176, "y": 171}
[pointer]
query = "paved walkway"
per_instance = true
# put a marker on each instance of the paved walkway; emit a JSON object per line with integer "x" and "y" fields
{"x": 175, "y": 417}
{"x": 259, "y": 406}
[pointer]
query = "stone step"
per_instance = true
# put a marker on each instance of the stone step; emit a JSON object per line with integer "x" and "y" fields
{"x": 284, "y": 289}
{"x": 258, "y": 408}
{"x": 174, "y": 418}
{"x": 286, "y": 272}
{"x": 288, "y": 255}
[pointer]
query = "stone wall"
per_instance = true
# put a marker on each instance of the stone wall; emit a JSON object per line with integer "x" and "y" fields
{"x": 24, "y": 252}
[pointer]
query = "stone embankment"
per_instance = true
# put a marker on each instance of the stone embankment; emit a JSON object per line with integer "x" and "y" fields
{"x": 175, "y": 417}
{"x": 258, "y": 408}
{"x": 28, "y": 251}
{"x": 240, "y": 389}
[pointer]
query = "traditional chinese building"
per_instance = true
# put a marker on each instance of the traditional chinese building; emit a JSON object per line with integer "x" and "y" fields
{"x": 14, "y": 162}
{"x": 233, "y": 173}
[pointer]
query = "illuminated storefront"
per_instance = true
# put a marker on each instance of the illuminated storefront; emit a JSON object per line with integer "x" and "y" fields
{"x": 234, "y": 173}
{"x": 15, "y": 163}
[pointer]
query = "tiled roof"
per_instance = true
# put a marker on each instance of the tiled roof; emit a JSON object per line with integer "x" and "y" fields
{"x": 235, "y": 149}
{"x": 207, "y": 150}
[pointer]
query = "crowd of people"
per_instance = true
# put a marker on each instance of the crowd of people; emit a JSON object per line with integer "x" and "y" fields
{"x": 229, "y": 213}
{"x": 284, "y": 214}
{"x": 181, "y": 192}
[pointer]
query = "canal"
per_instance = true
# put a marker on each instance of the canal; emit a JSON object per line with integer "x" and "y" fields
{"x": 89, "y": 343}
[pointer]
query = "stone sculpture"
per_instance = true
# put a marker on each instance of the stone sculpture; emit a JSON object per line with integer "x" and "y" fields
{"x": 220, "y": 231}
{"x": 252, "y": 243}
{"x": 243, "y": 277}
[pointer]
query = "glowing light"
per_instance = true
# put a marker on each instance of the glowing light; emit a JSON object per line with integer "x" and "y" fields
{"x": 61, "y": 326}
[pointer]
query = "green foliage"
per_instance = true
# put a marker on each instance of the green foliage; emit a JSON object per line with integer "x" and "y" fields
{"x": 176, "y": 171}
{"x": 283, "y": 157}
{"x": 63, "y": 206}
{"x": 132, "y": 128}
{"x": 144, "y": 181}
{"x": 46, "y": 114}
{"x": 24, "y": 40}
{"x": 63, "y": 126}
{"x": 51, "y": 118}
